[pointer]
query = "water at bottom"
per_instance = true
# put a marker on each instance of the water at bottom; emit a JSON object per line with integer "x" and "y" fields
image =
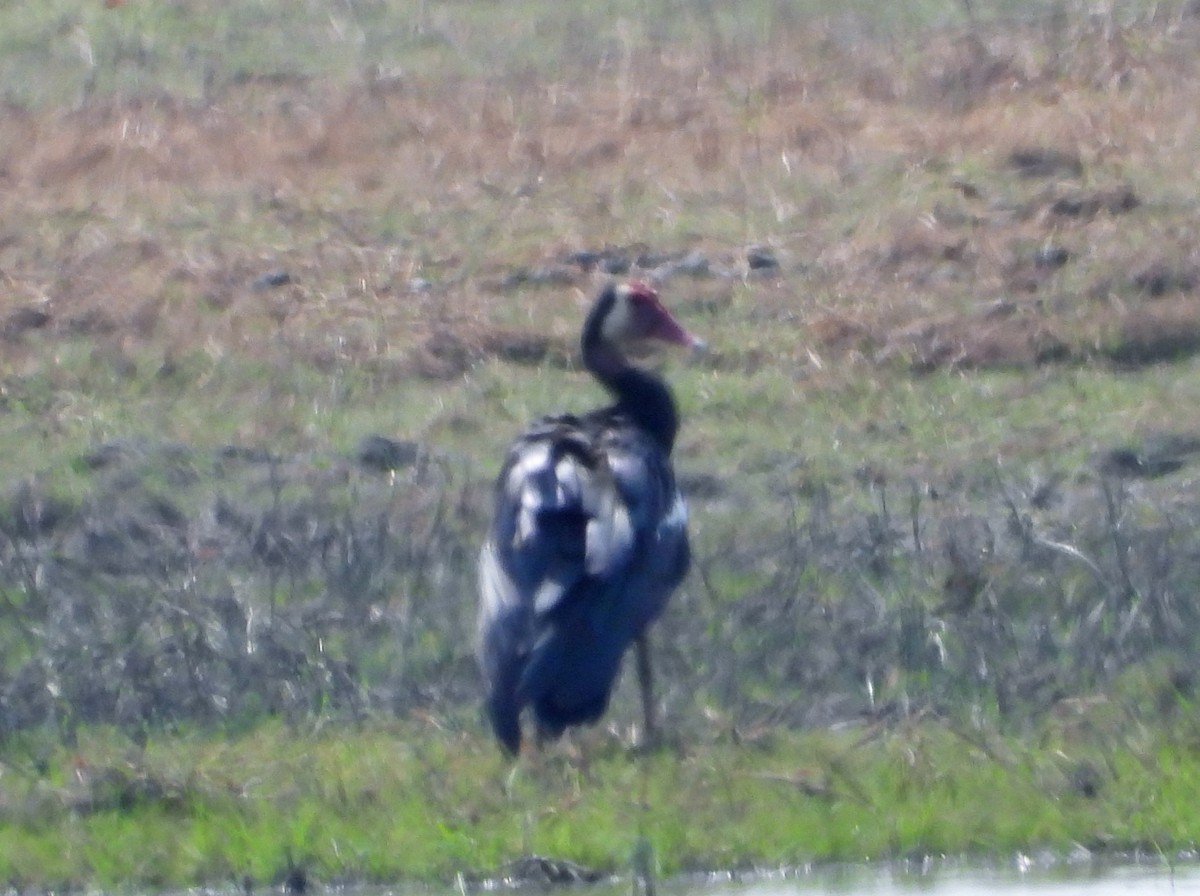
{"x": 1071, "y": 880}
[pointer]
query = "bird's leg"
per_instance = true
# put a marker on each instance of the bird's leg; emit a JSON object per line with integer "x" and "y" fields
{"x": 645, "y": 675}
{"x": 643, "y": 854}
{"x": 510, "y": 780}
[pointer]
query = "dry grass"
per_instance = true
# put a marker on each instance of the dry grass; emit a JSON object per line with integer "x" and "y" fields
{"x": 887, "y": 180}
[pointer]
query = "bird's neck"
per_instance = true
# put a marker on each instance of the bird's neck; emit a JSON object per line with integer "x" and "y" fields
{"x": 640, "y": 395}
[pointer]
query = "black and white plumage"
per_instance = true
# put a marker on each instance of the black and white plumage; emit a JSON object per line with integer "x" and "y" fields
{"x": 589, "y": 537}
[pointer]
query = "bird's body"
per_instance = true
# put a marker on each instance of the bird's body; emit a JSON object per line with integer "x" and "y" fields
{"x": 589, "y": 536}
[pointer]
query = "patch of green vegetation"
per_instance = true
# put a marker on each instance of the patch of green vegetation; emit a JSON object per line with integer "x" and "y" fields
{"x": 88, "y": 396}
{"x": 963, "y": 426}
{"x": 412, "y": 802}
{"x": 136, "y": 48}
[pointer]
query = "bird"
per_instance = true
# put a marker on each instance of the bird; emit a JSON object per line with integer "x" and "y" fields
{"x": 588, "y": 539}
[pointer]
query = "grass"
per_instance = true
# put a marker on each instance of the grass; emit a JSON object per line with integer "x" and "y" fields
{"x": 945, "y": 423}
{"x": 402, "y": 801}
{"x": 917, "y": 369}
{"x": 184, "y": 48}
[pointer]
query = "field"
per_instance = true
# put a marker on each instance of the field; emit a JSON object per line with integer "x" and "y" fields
{"x": 279, "y": 281}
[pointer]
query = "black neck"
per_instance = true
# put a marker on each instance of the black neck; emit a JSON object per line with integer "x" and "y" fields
{"x": 640, "y": 394}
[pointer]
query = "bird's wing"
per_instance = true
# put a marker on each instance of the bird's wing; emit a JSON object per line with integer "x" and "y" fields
{"x": 643, "y": 478}
{"x": 572, "y": 502}
{"x": 658, "y": 519}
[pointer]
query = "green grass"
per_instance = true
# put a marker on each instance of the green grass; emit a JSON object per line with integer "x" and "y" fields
{"x": 958, "y": 425}
{"x": 178, "y": 48}
{"x": 407, "y": 802}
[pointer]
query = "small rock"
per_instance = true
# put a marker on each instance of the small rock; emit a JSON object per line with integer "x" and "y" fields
{"x": 702, "y": 486}
{"x": 550, "y": 275}
{"x": 386, "y": 455}
{"x": 519, "y": 349}
{"x": 33, "y": 514}
{"x": 1088, "y": 205}
{"x": 609, "y": 260}
{"x": 761, "y": 258}
{"x": 544, "y": 871}
{"x": 1130, "y": 463}
{"x": 271, "y": 279}
{"x": 1051, "y": 257}
{"x": 615, "y": 263}
{"x": 968, "y": 189}
{"x": 585, "y": 259}
{"x": 543, "y": 275}
{"x": 22, "y": 320}
{"x": 1036, "y": 161}
{"x": 1159, "y": 279}
{"x": 245, "y": 453}
{"x": 1000, "y": 308}
{"x": 510, "y": 281}
{"x": 649, "y": 260}
{"x": 107, "y": 454}
{"x": 694, "y": 264}
{"x": 296, "y": 880}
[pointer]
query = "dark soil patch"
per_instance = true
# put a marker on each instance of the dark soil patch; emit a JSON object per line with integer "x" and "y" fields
{"x": 1153, "y": 333}
{"x": 1039, "y": 162}
{"x": 1006, "y": 335}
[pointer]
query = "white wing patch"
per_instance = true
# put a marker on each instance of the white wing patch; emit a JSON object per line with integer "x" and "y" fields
{"x": 539, "y": 483}
{"x": 610, "y": 535}
{"x": 531, "y": 483}
{"x": 580, "y": 506}
{"x": 677, "y": 516}
{"x": 495, "y": 586}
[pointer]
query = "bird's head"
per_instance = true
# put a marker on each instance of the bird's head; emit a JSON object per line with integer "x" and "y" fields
{"x": 636, "y": 314}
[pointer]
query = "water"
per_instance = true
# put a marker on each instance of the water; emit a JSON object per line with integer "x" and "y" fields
{"x": 1087, "y": 880}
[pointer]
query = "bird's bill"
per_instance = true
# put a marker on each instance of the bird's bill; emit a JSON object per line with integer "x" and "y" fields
{"x": 649, "y": 318}
{"x": 663, "y": 326}
{"x": 668, "y": 329}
